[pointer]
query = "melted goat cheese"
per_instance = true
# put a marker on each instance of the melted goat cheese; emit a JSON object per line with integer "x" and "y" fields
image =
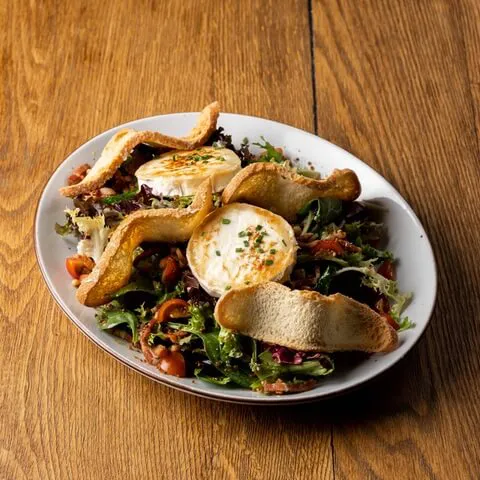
{"x": 239, "y": 245}
{"x": 181, "y": 172}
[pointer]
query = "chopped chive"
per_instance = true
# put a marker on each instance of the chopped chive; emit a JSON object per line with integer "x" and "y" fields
{"x": 203, "y": 234}
{"x": 217, "y": 252}
{"x": 273, "y": 251}
{"x": 268, "y": 262}
{"x": 226, "y": 221}
{"x": 247, "y": 282}
{"x": 239, "y": 250}
{"x": 228, "y": 287}
{"x": 197, "y": 158}
{"x": 243, "y": 233}
{"x": 249, "y": 234}
{"x": 283, "y": 241}
{"x": 258, "y": 228}
{"x": 259, "y": 239}
{"x": 246, "y": 243}
{"x": 260, "y": 250}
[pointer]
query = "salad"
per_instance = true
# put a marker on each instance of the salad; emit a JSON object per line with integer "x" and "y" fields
{"x": 169, "y": 291}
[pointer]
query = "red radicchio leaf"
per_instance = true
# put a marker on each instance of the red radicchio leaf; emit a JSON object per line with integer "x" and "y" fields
{"x": 285, "y": 355}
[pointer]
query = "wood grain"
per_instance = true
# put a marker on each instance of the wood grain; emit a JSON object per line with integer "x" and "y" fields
{"x": 396, "y": 83}
{"x": 70, "y": 70}
{"x": 394, "y": 86}
{"x": 470, "y": 15}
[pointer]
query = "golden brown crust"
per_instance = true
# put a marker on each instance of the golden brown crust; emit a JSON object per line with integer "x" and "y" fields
{"x": 163, "y": 225}
{"x": 285, "y": 192}
{"x": 124, "y": 141}
{"x": 304, "y": 320}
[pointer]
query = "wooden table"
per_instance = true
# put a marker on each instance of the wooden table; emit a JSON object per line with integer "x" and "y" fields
{"x": 397, "y": 83}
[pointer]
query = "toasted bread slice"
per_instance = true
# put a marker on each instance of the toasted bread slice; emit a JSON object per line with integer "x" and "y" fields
{"x": 285, "y": 192}
{"x": 304, "y": 320}
{"x": 124, "y": 141}
{"x": 163, "y": 225}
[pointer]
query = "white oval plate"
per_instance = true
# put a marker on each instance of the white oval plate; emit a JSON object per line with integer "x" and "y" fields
{"x": 407, "y": 239}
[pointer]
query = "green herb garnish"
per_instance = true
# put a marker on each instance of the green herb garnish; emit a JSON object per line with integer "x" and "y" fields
{"x": 114, "y": 199}
{"x": 259, "y": 239}
{"x": 271, "y": 154}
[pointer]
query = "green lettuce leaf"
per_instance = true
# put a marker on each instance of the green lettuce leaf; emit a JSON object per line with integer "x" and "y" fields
{"x": 223, "y": 380}
{"x": 323, "y": 283}
{"x": 229, "y": 344}
{"x": 141, "y": 285}
{"x": 66, "y": 229}
{"x": 404, "y": 323}
{"x": 361, "y": 232}
{"x": 271, "y": 154}
{"x": 268, "y": 369}
{"x": 320, "y": 212}
{"x": 380, "y": 255}
{"x": 112, "y": 315}
{"x": 380, "y": 284}
{"x": 200, "y": 314}
{"x": 212, "y": 347}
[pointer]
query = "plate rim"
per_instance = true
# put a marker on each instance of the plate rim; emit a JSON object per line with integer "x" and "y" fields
{"x": 219, "y": 396}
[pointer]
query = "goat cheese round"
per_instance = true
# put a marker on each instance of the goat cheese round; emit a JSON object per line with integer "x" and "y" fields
{"x": 239, "y": 245}
{"x": 180, "y": 172}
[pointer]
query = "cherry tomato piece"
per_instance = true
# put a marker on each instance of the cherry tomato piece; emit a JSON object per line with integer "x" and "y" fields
{"x": 387, "y": 270}
{"x": 171, "y": 271}
{"x": 78, "y": 265}
{"x": 382, "y": 306}
{"x": 391, "y": 321}
{"x": 329, "y": 246}
{"x": 174, "y": 308}
{"x": 173, "y": 364}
